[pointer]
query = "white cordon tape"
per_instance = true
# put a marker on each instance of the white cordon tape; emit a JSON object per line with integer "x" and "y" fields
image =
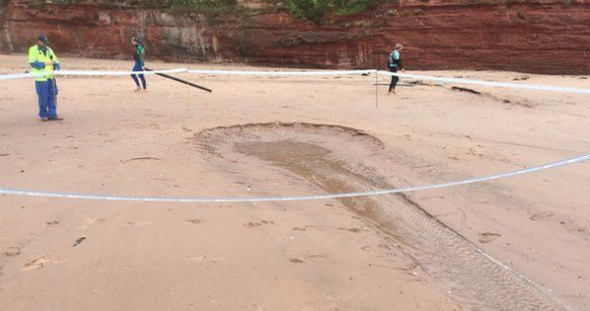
{"x": 90, "y": 73}
{"x": 108, "y": 197}
{"x": 312, "y": 73}
{"x": 116, "y": 73}
{"x": 19, "y": 76}
{"x": 488, "y": 83}
{"x": 283, "y": 73}
{"x": 202, "y": 72}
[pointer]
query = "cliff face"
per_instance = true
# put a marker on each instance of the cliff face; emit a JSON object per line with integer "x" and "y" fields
{"x": 542, "y": 36}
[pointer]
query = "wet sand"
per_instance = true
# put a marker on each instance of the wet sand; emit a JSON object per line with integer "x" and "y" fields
{"x": 421, "y": 251}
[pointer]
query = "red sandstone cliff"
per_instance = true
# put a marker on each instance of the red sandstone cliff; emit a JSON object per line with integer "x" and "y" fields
{"x": 541, "y": 36}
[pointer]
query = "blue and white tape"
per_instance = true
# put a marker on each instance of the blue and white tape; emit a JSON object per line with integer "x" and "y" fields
{"x": 116, "y": 73}
{"x": 521, "y": 86}
{"x": 282, "y": 73}
{"x": 212, "y": 199}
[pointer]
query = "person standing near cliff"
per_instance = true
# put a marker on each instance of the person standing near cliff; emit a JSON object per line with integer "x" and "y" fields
{"x": 138, "y": 52}
{"x": 394, "y": 64}
{"x": 44, "y": 61}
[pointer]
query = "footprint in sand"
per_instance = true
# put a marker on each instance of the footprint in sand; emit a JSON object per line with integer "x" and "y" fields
{"x": 384, "y": 246}
{"x": 141, "y": 223}
{"x": 488, "y": 237}
{"x": 52, "y": 223}
{"x": 251, "y": 225}
{"x": 38, "y": 263}
{"x": 541, "y": 216}
{"x": 195, "y": 221}
{"x": 201, "y": 258}
{"x": 90, "y": 221}
{"x": 353, "y": 230}
{"x": 12, "y": 251}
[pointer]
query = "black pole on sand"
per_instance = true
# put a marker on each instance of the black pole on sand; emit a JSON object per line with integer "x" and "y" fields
{"x": 181, "y": 81}
{"x": 54, "y": 84}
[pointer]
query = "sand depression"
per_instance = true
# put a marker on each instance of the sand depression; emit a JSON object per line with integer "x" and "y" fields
{"x": 335, "y": 159}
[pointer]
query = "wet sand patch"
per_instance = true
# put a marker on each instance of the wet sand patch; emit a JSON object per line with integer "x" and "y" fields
{"x": 331, "y": 158}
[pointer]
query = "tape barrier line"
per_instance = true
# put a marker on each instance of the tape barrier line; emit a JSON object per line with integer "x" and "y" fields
{"x": 19, "y": 76}
{"x": 282, "y": 73}
{"x": 203, "y": 72}
{"x": 312, "y": 73}
{"x": 89, "y": 73}
{"x": 488, "y": 83}
{"x": 116, "y": 73}
{"x": 129, "y": 198}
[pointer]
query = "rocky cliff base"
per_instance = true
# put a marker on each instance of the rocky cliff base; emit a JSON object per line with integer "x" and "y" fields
{"x": 539, "y": 37}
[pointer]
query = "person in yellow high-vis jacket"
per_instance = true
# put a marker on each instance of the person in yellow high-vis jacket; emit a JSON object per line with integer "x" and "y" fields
{"x": 44, "y": 61}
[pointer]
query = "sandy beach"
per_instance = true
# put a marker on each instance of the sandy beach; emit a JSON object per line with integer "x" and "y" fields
{"x": 515, "y": 244}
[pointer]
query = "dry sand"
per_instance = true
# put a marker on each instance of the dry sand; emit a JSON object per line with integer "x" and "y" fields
{"x": 413, "y": 252}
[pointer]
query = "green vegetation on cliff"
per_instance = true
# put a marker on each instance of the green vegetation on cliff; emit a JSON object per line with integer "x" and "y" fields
{"x": 317, "y": 10}
{"x": 219, "y": 6}
{"x": 313, "y": 10}
{"x": 211, "y": 8}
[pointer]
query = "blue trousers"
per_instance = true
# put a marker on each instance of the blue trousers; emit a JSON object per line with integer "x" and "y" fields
{"x": 52, "y": 103}
{"x": 46, "y": 91}
{"x": 137, "y": 67}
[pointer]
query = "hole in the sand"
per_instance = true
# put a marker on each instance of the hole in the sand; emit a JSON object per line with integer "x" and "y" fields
{"x": 330, "y": 157}
{"x": 217, "y": 139}
{"x": 339, "y": 159}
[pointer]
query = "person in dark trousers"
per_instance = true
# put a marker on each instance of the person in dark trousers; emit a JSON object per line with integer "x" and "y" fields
{"x": 395, "y": 63}
{"x": 138, "y": 52}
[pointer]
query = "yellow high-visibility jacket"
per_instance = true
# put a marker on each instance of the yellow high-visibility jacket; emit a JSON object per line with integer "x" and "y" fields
{"x": 39, "y": 60}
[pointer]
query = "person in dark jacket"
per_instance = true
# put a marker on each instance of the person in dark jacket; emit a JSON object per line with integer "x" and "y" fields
{"x": 395, "y": 63}
{"x": 138, "y": 52}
